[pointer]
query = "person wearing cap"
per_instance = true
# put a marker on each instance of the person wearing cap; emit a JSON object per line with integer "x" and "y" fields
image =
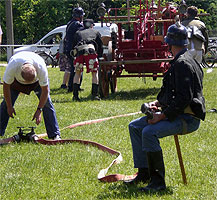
{"x": 72, "y": 26}
{"x": 197, "y": 34}
{"x": 26, "y": 72}
{"x": 87, "y": 48}
{"x": 179, "y": 107}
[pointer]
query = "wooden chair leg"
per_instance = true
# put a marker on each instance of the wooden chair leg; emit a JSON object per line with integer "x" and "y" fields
{"x": 180, "y": 159}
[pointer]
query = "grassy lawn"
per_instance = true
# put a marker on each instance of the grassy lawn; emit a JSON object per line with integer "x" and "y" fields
{"x": 69, "y": 171}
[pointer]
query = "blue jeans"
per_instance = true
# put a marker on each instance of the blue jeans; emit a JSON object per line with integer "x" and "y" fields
{"x": 49, "y": 114}
{"x": 145, "y": 137}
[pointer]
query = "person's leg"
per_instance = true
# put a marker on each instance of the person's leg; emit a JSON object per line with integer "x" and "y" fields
{"x": 135, "y": 130}
{"x": 139, "y": 156}
{"x": 72, "y": 74}
{"x": 151, "y": 145}
{"x": 65, "y": 79}
{"x": 76, "y": 85}
{"x": 4, "y": 117}
{"x": 164, "y": 128}
{"x": 92, "y": 66}
{"x": 78, "y": 64}
{"x": 95, "y": 86}
{"x": 71, "y": 79}
{"x": 49, "y": 115}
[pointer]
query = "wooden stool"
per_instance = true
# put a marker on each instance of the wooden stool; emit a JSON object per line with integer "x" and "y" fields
{"x": 180, "y": 159}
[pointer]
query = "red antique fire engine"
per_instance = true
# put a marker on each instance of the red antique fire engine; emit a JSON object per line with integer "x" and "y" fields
{"x": 138, "y": 47}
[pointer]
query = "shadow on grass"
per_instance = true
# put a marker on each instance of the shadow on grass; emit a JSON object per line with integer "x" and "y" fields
{"x": 122, "y": 191}
{"x": 133, "y": 94}
{"x": 56, "y": 91}
{"x": 122, "y": 95}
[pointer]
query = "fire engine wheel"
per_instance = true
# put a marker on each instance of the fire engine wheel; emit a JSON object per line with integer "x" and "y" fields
{"x": 103, "y": 82}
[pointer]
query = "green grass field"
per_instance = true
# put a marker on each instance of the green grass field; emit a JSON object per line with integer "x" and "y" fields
{"x": 69, "y": 171}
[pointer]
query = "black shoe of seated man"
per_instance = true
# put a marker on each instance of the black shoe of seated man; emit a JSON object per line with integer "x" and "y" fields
{"x": 155, "y": 185}
{"x": 156, "y": 171}
{"x": 142, "y": 176}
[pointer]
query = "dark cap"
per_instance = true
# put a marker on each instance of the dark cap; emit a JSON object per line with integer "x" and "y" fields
{"x": 88, "y": 23}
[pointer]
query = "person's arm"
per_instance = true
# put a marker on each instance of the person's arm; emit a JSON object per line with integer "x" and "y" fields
{"x": 42, "y": 102}
{"x": 100, "y": 45}
{"x": 7, "y": 96}
{"x": 0, "y": 39}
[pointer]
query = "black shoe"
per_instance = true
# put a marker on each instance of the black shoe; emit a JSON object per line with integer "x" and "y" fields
{"x": 76, "y": 99}
{"x": 141, "y": 177}
{"x": 95, "y": 92}
{"x": 63, "y": 86}
{"x": 70, "y": 90}
{"x": 155, "y": 185}
{"x": 80, "y": 89}
{"x": 156, "y": 171}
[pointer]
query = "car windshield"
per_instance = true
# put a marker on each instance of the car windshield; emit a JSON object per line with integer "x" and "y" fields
{"x": 52, "y": 39}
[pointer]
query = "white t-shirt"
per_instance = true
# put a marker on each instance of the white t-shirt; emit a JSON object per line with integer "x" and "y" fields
{"x": 13, "y": 70}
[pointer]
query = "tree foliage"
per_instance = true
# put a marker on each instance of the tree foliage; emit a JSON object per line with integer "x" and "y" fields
{"x": 34, "y": 18}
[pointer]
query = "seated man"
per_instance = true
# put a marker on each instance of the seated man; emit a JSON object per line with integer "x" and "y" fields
{"x": 182, "y": 107}
{"x": 26, "y": 72}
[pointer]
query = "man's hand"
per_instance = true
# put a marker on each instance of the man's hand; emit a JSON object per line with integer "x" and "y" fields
{"x": 37, "y": 117}
{"x": 154, "y": 105}
{"x": 156, "y": 118}
{"x": 11, "y": 112}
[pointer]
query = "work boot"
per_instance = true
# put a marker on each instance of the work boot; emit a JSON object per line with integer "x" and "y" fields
{"x": 75, "y": 92}
{"x": 142, "y": 176}
{"x": 95, "y": 92}
{"x": 157, "y": 172}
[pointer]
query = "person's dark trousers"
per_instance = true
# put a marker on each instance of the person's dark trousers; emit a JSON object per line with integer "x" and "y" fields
{"x": 95, "y": 92}
{"x": 157, "y": 172}
{"x": 75, "y": 92}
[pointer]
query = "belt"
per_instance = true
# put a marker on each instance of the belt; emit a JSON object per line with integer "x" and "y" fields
{"x": 188, "y": 110}
{"x": 85, "y": 46}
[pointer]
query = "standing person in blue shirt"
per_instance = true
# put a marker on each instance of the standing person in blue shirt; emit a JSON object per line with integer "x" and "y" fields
{"x": 72, "y": 26}
{"x": 182, "y": 108}
{"x": 27, "y": 72}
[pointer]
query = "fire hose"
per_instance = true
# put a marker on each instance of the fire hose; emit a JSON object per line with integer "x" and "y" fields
{"x": 32, "y": 137}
